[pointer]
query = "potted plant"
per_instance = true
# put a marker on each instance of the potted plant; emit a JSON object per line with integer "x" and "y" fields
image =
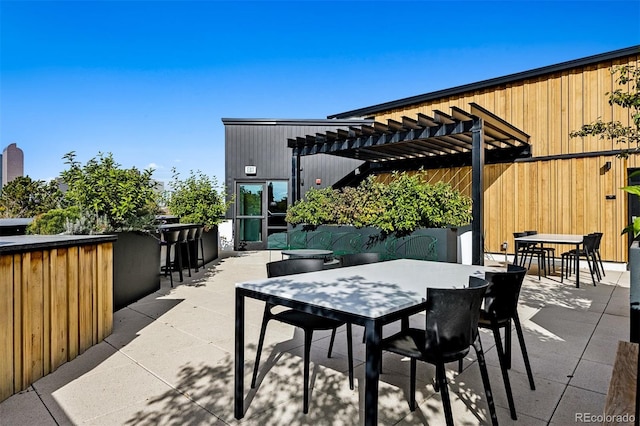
{"x": 407, "y": 205}
{"x": 198, "y": 199}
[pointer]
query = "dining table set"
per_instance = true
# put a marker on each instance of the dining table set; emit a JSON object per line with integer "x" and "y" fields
{"x": 529, "y": 244}
{"x": 369, "y": 295}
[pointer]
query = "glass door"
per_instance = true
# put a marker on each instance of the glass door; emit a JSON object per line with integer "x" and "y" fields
{"x": 261, "y": 208}
{"x": 277, "y": 200}
{"x": 250, "y": 216}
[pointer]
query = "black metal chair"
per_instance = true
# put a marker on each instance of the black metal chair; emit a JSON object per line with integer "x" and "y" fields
{"x": 359, "y": 259}
{"x": 500, "y": 309}
{"x": 451, "y": 328}
{"x": 170, "y": 239}
{"x": 587, "y": 251}
{"x": 596, "y": 253}
{"x": 529, "y": 251}
{"x": 549, "y": 254}
{"x": 306, "y": 321}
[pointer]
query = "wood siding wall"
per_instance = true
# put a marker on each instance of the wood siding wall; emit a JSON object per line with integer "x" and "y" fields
{"x": 54, "y": 305}
{"x": 549, "y": 195}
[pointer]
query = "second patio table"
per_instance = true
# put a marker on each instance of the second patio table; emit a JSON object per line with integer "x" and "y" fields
{"x": 567, "y": 239}
{"x": 368, "y": 295}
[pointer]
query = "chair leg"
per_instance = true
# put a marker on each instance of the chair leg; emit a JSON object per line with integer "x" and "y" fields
{"x": 412, "y": 385}
{"x": 196, "y": 256}
{"x": 168, "y": 269}
{"x": 350, "y": 355}
{"x": 263, "y": 329}
{"x": 477, "y": 345}
{"x": 333, "y": 338}
{"x": 188, "y": 258}
{"x": 507, "y": 344}
{"x": 523, "y": 348}
{"x": 597, "y": 253}
{"x": 201, "y": 252}
{"x": 591, "y": 271}
{"x": 178, "y": 253}
{"x": 308, "y": 336}
{"x": 505, "y": 372}
{"x": 441, "y": 377}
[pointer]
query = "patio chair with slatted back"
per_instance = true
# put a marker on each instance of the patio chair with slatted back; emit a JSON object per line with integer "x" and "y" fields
{"x": 420, "y": 247}
{"x": 346, "y": 243}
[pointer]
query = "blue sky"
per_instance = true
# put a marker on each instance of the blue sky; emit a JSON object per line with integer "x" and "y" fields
{"x": 150, "y": 81}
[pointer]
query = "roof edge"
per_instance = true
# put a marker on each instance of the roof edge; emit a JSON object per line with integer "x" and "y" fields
{"x": 536, "y": 72}
{"x": 294, "y": 121}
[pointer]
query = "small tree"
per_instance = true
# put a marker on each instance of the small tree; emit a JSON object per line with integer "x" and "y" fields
{"x": 25, "y": 197}
{"x": 628, "y": 97}
{"x": 109, "y": 197}
{"x": 197, "y": 199}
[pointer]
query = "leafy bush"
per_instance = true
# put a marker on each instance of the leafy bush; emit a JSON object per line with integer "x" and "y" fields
{"x": 196, "y": 199}
{"x": 25, "y": 197}
{"x": 109, "y": 197}
{"x": 55, "y": 221}
{"x": 319, "y": 207}
{"x": 406, "y": 203}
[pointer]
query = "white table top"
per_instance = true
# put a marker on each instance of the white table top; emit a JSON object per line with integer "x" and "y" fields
{"x": 552, "y": 238}
{"x": 370, "y": 290}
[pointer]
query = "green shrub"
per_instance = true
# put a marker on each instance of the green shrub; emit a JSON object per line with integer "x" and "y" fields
{"x": 406, "y": 203}
{"x": 25, "y": 197}
{"x": 318, "y": 207}
{"x": 54, "y": 221}
{"x": 109, "y": 197}
{"x": 196, "y": 199}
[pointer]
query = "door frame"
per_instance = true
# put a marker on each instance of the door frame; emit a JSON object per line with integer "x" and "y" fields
{"x": 264, "y": 217}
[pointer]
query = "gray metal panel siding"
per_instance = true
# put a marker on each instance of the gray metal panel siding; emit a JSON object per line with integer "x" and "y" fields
{"x": 265, "y": 146}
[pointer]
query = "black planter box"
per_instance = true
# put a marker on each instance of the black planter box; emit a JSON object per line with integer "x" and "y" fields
{"x": 136, "y": 267}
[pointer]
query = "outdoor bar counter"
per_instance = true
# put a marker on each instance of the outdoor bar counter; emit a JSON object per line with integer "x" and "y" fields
{"x": 55, "y": 302}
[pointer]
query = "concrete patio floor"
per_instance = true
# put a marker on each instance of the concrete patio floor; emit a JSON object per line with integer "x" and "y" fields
{"x": 170, "y": 361}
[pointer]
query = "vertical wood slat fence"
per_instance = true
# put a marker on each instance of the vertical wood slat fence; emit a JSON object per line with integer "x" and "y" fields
{"x": 54, "y": 305}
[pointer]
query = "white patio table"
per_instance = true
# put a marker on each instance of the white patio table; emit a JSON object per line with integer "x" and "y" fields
{"x": 566, "y": 239}
{"x": 368, "y": 295}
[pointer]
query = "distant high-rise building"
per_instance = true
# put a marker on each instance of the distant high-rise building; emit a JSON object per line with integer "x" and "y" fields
{"x": 12, "y": 163}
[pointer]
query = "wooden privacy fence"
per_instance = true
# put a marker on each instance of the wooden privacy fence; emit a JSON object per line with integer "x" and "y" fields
{"x": 55, "y": 303}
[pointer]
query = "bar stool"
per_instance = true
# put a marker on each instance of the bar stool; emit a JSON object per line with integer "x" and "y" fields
{"x": 170, "y": 239}
{"x": 183, "y": 239}
{"x": 198, "y": 241}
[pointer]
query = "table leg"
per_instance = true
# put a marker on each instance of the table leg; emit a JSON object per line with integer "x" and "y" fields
{"x": 373, "y": 330}
{"x": 238, "y": 394}
{"x": 577, "y": 266}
